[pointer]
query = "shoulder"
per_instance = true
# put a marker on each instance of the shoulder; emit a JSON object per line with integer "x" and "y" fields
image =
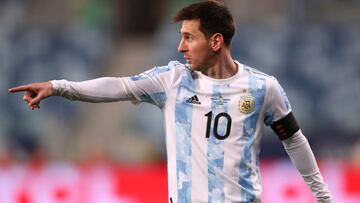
{"x": 271, "y": 81}
{"x": 176, "y": 65}
{"x": 162, "y": 71}
{"x": 171, "y": 66}
{"x": 255, "y": 72}
{"x": 179, "y": 69}
{"x": 182, "y": 74}
{"x": 273, "y": 87}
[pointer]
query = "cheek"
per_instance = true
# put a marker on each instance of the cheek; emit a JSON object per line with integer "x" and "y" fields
{"x": 201, "y": 51}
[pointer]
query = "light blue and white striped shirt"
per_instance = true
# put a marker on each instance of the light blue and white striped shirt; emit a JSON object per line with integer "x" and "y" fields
{"x": 213, "y": 126}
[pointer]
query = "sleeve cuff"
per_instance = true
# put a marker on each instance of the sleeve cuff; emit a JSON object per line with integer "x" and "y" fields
{"x": 57, "y": 86}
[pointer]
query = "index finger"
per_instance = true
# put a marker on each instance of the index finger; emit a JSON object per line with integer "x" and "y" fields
{"x": 19, "y": 88}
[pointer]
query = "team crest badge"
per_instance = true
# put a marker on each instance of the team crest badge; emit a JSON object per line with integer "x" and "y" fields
{"x": 246, "y": 104}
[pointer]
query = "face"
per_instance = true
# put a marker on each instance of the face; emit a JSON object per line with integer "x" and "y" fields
{"x": 195, "y": 46}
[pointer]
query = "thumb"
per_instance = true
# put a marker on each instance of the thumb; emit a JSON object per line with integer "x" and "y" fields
{"x": 36, "y": 99}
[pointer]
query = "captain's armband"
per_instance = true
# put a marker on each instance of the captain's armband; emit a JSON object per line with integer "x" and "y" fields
{"x": 285, "y": 127}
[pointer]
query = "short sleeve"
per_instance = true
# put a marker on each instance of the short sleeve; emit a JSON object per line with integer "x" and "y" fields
{"x": 278, "y": 105}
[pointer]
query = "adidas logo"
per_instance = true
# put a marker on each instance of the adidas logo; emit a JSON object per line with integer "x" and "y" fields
{"x": 193, "y": 100}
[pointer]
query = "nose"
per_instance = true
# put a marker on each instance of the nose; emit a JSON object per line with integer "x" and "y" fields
{"x": 182, "y": 47}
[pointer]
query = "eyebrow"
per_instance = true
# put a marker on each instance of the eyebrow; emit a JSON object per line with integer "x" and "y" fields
{"x": 185, "y": 33}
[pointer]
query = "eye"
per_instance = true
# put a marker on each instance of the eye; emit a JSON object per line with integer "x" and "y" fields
{"x": 188, "y": 37}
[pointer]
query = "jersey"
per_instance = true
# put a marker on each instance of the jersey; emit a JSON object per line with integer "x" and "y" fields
{"x": 213, "y": 127}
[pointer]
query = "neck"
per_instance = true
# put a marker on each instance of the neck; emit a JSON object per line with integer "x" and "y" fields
{"x": 223, "y": 66}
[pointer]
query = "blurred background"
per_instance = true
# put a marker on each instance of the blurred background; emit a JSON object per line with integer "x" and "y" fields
{"x": 81, "y": 152}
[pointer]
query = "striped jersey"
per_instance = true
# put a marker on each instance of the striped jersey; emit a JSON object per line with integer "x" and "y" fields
{"x": 213, "y": 126}
{"x": 213, "y": 129}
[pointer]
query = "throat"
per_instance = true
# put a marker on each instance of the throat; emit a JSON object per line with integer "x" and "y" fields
{"x": 222, "y": 72}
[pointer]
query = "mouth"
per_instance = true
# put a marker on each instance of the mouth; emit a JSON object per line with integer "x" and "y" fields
{"x": 188, "y": 60}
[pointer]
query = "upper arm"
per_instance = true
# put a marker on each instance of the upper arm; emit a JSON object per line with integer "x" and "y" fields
{"x": 278, "y": 111}
{"x": 152, "y": 86}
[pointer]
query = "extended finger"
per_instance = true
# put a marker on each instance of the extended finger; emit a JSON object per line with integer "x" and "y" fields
{"x": 19, "y": 88}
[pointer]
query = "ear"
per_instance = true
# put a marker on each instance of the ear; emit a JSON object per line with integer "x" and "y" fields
{"x": 217, "y": 41}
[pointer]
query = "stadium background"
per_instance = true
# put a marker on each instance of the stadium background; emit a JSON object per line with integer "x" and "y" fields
{"x": 79, "y": 152}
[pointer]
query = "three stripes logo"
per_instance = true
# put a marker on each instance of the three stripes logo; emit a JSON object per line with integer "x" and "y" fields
{"x": 193, "y": 100}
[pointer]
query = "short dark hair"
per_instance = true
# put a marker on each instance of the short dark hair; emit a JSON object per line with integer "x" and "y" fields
{"x": 214, "y": 18}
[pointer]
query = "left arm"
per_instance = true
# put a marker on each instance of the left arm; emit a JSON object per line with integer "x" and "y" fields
{"x": 301, "y": 155}
{"x": 279, "y": 116}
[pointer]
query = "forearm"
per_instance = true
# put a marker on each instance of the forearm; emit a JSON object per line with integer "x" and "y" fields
{"x": 106, "y": 89}
{"x": 303, "y": 159}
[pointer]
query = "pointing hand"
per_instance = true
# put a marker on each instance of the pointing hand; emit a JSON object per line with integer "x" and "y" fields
{"x": 34, "y": 93}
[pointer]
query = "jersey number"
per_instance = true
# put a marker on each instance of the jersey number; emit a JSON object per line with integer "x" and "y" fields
{"x": 216, "y": 124}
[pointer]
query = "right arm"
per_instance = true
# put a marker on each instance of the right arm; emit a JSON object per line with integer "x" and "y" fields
{"x": 106, "y": 89}
{"x": 150, "y": 86}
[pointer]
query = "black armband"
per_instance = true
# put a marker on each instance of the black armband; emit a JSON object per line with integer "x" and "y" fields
{"x": 285, "y": 127}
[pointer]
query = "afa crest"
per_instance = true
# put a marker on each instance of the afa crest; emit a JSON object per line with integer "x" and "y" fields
{"x": 246, "y": 104}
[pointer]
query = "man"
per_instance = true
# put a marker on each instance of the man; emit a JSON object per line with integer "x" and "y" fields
{"x": 214, "y": 110}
